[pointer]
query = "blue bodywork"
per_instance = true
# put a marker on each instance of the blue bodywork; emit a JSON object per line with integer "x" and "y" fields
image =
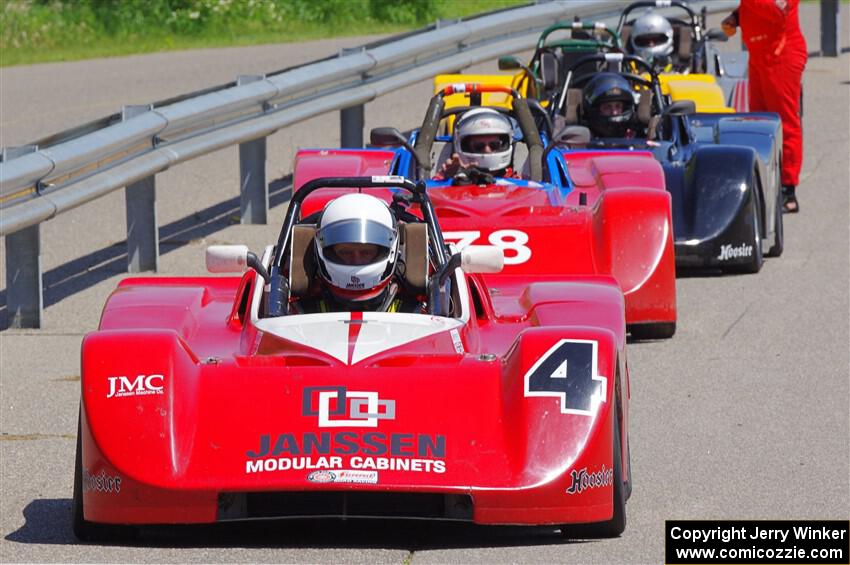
{"x": 722, "y": 171}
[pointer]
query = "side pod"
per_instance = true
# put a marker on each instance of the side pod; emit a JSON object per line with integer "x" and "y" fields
{"x": 140, "y": 400}
{"x": 638, "y": 230}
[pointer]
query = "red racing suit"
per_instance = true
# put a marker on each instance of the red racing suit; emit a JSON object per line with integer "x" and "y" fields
{"x": 771, "y": 31}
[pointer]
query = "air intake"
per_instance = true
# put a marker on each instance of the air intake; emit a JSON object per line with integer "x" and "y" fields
{"x": 332, "y": 504}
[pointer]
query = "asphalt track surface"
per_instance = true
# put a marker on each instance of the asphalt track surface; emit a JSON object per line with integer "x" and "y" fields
{"x": 743, "y": 414}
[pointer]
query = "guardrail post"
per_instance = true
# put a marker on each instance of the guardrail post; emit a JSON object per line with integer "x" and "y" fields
{"x": 140, "y": 203}
{"x": 829, "y": 28}
{"x": 351, "y": 127}
{"x": 23, "y": 278}
{"x": 253, "y": 190}
{"x": 24, "y": 301}
{"x": 351, "y": 119}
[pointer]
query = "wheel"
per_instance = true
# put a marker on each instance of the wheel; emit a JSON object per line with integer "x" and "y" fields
{"x": 657, "y": 330}
{"x": 778, "y": 226}
{"x": 779, "y": 230}
{"x": 629, "y": 460}
{"x": 83, "y": 529}
{"x": 753, "y": 266}
{"x": 617, "y": 524}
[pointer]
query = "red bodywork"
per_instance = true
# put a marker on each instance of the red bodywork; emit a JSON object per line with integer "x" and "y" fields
{"x": 194, "y": 410}
{"x": 625, "y": 230}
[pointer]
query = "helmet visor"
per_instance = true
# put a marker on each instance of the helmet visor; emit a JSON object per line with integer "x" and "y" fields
{"x": 651, "y": 39}
{"x": 362, "y": 233}
{"x": 485, "y": 143}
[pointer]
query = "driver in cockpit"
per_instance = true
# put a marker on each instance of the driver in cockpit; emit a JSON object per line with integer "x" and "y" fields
{"x": 356, "y": 247}
{"x": 484, "y": 142}
{"x": 608, "y": 107}
{"x": 651, "y": 39}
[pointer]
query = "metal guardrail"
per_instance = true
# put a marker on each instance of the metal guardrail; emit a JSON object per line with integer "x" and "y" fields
{"x": 71, "y": 168}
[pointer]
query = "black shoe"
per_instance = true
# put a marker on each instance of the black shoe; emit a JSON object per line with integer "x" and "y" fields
{"x": 789, "y": 200}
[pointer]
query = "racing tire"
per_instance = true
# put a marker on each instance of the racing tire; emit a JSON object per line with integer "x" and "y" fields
{"x": 657, "y": 330}
{"x": 779, "y": 229}
{"x": 755, "y": 265}
{"x": 629, "y": 460}
{"x": 83, "y": 529}
{"x": 617, "y": 524}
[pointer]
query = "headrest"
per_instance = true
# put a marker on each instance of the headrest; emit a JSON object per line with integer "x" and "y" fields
{"x": 302, "y": 259}
{"x": 685, "y": 42}
{"x": 549, "y": 70}
{"x": 645, "y": 107}
{"x": 572, "y": 104}
{"x": 414, "y": 238}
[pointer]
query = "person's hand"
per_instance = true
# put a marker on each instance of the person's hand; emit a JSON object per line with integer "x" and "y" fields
{"x": 729, "y": 24}
{"x": 450, "y": 168}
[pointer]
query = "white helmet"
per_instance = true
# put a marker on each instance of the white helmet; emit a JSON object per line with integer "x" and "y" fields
{"x": 357, "y": 223}
{"x": 492, "y": 156}
{"x": 652, "y": 37}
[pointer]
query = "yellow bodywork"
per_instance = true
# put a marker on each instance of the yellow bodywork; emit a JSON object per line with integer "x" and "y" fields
{"x": 700, "y": 88}
{"x": 487, "y": 98}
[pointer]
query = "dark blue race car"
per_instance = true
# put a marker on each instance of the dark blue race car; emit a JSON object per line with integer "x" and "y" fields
{"x": 722, "y": 170}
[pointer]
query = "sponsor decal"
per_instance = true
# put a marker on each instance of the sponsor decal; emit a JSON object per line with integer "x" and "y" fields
{"x": 728, "y": 252}
{"x": 350, "y": 450}
{"x": 423, "y": 453}
{"x": 456, "y": 341}
{"x": 582, "y": 480}
{"x": 344, "y": 476}
{"x": 321, "y": 477}
{"x": 388, "y": 178}
{"x": 101, "y": 482}
{"x": 140, "y": 386}
{"x": 339, "y": 407}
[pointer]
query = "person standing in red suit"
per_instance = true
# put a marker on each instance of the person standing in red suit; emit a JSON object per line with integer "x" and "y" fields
{"x": 771, "y": 32}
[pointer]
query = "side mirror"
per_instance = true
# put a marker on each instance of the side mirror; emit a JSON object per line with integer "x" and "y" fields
{"x": 509, "y": 63}
{"x": 227, "y": 258}
{"x": 473, "y": 259}
{"x": 482, "y": 259}
{"x": 386, "y": 137}
{"x": 573, "y": 135}
{"x": 681, "y": 108}
{"x": 234, "y": 259}
{"x": 716, "y": 34}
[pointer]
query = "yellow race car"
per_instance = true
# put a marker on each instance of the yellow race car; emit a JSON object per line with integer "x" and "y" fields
{"x": 683, "y": 52}
{"x": 564, "y": 43}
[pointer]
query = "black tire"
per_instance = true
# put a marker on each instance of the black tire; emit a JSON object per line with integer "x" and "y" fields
{"x": 617, "y": 524}
{"x": 83, "y": 529}
{"x": 657, "y": 330}
{"x": 778, "y": 225}
{"x": 755, "y": 265}
{"x": 629, "y": 461}
{"x": 779, "y": 230}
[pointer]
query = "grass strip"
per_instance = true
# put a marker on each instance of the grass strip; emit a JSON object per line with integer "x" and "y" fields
{"x": 41, "y": 31}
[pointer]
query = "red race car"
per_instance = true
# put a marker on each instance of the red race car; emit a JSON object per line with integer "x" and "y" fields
{"x": 211, "y": 399}
{"x": 573, "y": 211}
